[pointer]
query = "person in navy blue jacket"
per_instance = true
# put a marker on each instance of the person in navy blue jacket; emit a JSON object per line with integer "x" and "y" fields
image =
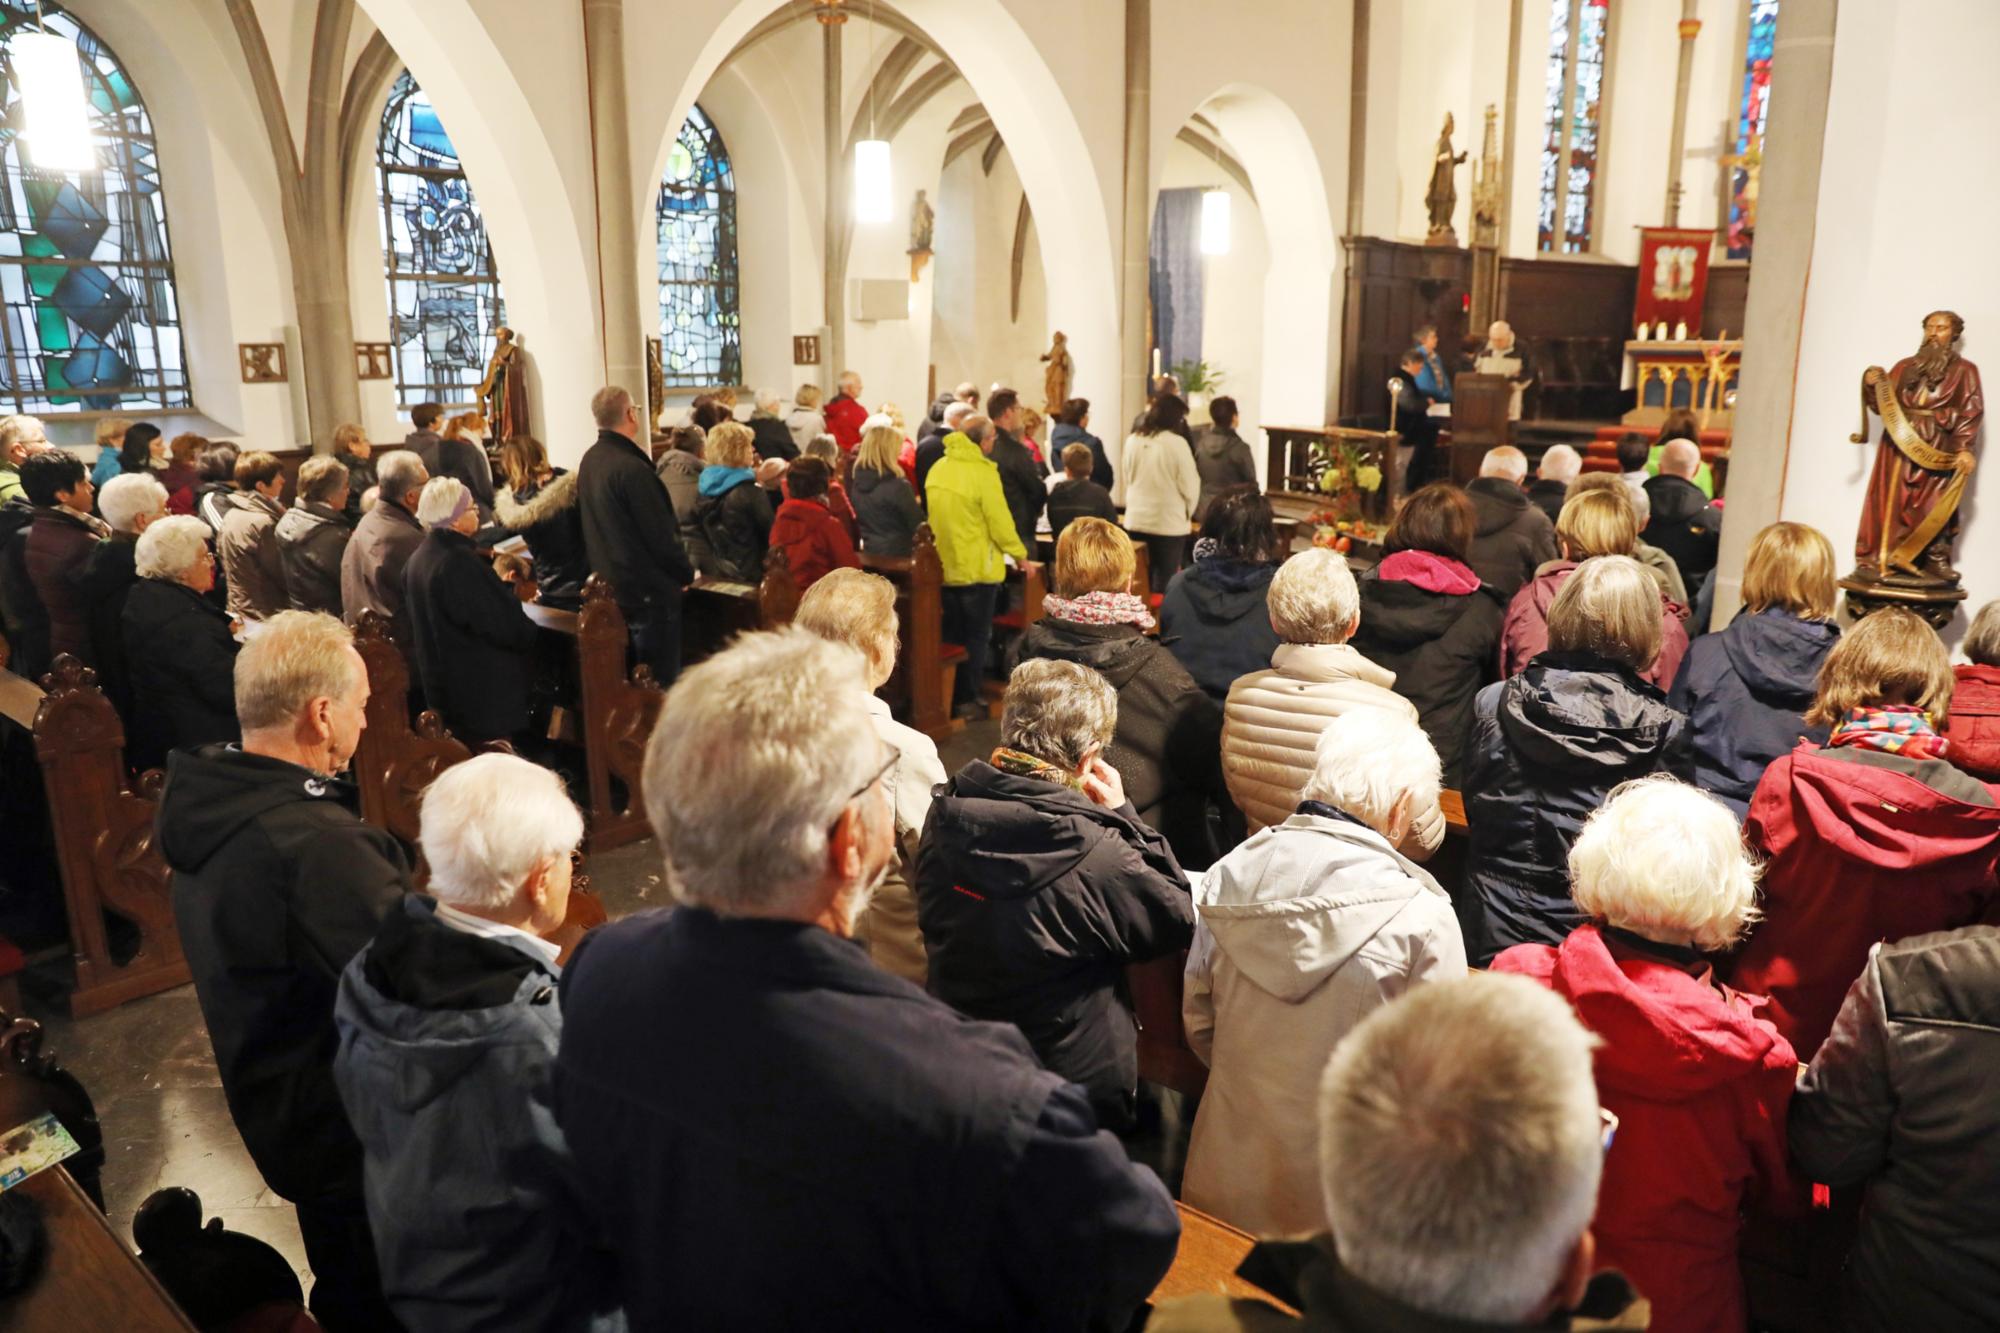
{"x": 1745, "y": 690}
{"x": 772, "y": 1132}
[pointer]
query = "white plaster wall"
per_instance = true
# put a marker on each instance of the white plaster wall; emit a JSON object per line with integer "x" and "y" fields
{"x": 1878, "y": 265}
{"x": 974, "y": 335}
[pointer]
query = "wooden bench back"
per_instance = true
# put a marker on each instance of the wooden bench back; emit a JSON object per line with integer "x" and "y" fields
{"x": 619, "y": 710}
{"x": 919, "y": 678}
{"x": 395, "y": 761}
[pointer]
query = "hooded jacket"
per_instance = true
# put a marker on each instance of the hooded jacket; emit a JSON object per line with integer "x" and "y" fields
{"x": 1432, "y": 622}
{"x": 1745, "y": 692}
{"x": 1223, "y": 460}
{"x": 442, "y": 1031}
{"x": 805, "y": 424}
{"x": 1525, "y": 632}
{"x": 546, "y": 515}
{"x": 1699, "y": 1080}
{"x": 1904, "y": 1099}
{"x": 733, "y": 515}
{"x": 680, "y": 472}
{"x": 1859, "y": 847}
{"x": 1272, "y": 724}
{"x": 1166, "y": 747}
{"x": 813, "y": 540}
{"x": 247, "y": 550}
{"x": 474, "y": 643}
{"x": 1304, "y": 931}
{"x": 1684, "y": 525}
{"x": 58, "y": 546}
{"x": 1215, "y": 621}
{"x": 1158, "y": 484}
{"x": 886, "y": 509}
{"x": 844, "y": 419}
{"x": 1547, "y": 747}
{"x": 1974, "y": 725}
{"x": 1033, "y": 900}
{"x": 1513, "y": 538}
{"x": 311, "y": 539}
{"x": 277, "y": 884}
{"x": 969, "y": 515}
{"x": 1070, "y": 500}
{"x": 180, "y": 658}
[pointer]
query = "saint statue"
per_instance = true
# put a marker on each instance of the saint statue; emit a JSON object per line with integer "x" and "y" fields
{"x": 1056, "y": 379}
{"x": 504, "y": 391}
{"x": 1930, "y": 407}
{"x": 1442, "y": 198}
{"x": 922, "y": 222}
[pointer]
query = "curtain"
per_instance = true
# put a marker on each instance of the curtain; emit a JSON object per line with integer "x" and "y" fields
{"x": 1177, "y": 277}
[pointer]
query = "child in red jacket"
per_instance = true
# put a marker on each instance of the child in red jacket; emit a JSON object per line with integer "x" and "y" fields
{"x": 814, "y": 541}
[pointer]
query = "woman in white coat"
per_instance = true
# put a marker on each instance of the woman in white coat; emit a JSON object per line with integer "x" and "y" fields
{"x": 1159, "y": 486}
{"x": 1302, "y": 932}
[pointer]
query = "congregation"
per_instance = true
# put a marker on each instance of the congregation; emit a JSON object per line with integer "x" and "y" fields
{"x": 1718, "y": 937}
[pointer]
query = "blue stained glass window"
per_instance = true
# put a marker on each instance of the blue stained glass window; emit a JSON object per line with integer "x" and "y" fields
{"x": 701, "y": 341}
{"x": 1752, "y": 111}
{"x": 444, "y": 292}
{"x": 1572, "y": 108}
{"x": 88, "y": 316}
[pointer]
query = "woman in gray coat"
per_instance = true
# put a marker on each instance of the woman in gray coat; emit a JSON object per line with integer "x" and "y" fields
{"x": 1221, "y": 456}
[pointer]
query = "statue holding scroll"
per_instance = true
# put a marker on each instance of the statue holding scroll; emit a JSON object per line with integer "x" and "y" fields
{"x": 1930, "y": 406}
{"x": 504, "y": 391}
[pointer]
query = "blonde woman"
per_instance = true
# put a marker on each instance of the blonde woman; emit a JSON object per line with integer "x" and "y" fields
{"x": 1593, "y": 523}
{"x": 110, "y": 444}
{"x": 806, "y": 419}
{"x": 1746, "y": 689}
{"x": 539, "y": 505}
{"x": 885, "y": 507}
{"x": 732, "y": 513}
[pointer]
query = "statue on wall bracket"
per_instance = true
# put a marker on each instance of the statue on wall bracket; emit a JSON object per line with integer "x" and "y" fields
{"x": 1056, "y": 379}
{"x": 1442, "y": 197}
{"x": 503, "y": 394}
{"x": 1930, "y": 405}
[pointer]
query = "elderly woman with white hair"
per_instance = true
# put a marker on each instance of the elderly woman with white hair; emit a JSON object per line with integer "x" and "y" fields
{"x": 768, "y": 428}
{"x": 129, "y": 504}
{"x": 449, "y": 1022}
{"x": 1303, "y": 931}
{"x": 1698, "y": 1077}
{"x": 1272, "y": 721}
{"x": 1548, "y": 744}
{"x": 855, "y": 608}
{"x": 1038, "y": 884}
{"x": 474, "y": 644}
{"x": 180, "y": 652}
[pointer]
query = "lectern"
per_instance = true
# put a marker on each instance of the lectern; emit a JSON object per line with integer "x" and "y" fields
{"x": 1479, "y": 411}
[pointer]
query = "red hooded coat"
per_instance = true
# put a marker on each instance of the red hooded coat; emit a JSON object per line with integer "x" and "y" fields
{"x": 1700, "y": 1082}
{"x": 814, "y": 541}
{"x": 1856, "y": 853}
{"x": 1974, "y": 725}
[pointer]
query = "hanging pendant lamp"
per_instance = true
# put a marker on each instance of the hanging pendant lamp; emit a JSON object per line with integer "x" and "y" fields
{"x": 874, "y": 182}
{"x": 1215, "y": 222}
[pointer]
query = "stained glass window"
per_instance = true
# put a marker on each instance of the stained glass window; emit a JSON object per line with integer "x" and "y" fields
{"x": 1571, "y": 112}
{"x": 88, "y": 316}
{"x": 444, "y": 292}
{"x": 701, "y": 340}
{"x": 1751, "y": 114}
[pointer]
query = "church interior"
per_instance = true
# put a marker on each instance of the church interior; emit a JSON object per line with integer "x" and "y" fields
{"x": 1380, "y": 252}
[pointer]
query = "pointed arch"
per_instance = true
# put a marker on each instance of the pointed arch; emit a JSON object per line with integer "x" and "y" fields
{"x": 701, "y": 336}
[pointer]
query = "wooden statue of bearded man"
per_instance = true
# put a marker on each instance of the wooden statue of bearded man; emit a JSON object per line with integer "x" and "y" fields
{"x": 1930, "y": 405}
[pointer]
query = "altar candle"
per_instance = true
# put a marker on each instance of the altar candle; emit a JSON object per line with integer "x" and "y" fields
{"x": 1660, "y": 330}
{"x": 1681, "y": 332}
{"x": 1645, "y": 331}
{"x": 1156, "y": 363}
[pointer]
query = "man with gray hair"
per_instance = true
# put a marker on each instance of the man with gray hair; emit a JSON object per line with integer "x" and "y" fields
{"x": 770, "y": 1131}
{"x": 20, "y": 436}
{"x": 931, "y": 448}
{"x": 1513, "y": 537}
{"x": 1460, "y": 1148}
{"x": 371, "y": 568}
{"x": 276, "y": 885}
{"x": 456, "y": 996}
{"x": 631, "y": 534}
{"x": 1559, "y": 467}
{"x": 1038, "y": 884}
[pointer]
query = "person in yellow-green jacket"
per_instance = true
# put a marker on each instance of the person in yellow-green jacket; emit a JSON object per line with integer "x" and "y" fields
{"x": 974, "y": 530}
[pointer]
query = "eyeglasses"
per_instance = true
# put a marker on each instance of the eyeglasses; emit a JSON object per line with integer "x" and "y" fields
{"x": 1608, "y": 1124}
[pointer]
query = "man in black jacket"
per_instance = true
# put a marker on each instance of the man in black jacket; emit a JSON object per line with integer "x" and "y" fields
{"x": 631, "y": 535}
{"x": 1684, "y": 524}
{"x": 771, "y": 1131}
{"x": 1020, "y": 478}
{"x": 1514, "y": 538}
{"x": 276, "y": 885}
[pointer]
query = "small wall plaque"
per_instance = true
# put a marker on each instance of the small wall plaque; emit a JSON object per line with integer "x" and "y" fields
{"x": 262, "y": 363}
{"x": 373, "y": 362}
{"x": 805, "y": 349}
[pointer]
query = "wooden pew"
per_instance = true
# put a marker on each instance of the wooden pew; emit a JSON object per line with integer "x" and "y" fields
{"x": 619, "y": 710}
{"x": 924, "y": 664}
{"x": 1206, "y": 1261}
{"x": 103, "y": 829}
{"x": 715, "y": 611}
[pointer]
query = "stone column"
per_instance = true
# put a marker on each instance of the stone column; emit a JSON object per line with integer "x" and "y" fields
{"x": 617, "y": 229}
{"x": 1787, "y": 210}
{"x": 833, "y": 120}
{"x": 1690, "y": 26}
{"x": 1357, "y": 119}
{"x": 1138, "y": 207}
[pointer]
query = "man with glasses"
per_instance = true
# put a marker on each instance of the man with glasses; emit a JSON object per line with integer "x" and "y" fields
{"x": 770, "y": 1131}
{"x": 20, "y": 438}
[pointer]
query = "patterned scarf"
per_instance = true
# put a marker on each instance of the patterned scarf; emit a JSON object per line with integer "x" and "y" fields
{"x": 1101, "y": 608}
{"x": 1027, "y": 766}
{"x": 1902, "y": 729}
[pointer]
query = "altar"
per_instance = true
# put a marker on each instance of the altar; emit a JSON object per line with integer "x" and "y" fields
{"x": 1698, "y": 374}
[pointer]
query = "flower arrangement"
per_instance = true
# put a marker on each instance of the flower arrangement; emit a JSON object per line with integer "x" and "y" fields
{"x": 1345, "y": 471}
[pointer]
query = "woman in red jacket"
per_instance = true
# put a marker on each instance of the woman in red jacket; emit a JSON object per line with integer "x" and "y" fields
{"x": 813, "y": 540}
{"x": 1699, "y": 1079}
{"x": 1974, "y": 726}
{"x": 1875, "y": 836}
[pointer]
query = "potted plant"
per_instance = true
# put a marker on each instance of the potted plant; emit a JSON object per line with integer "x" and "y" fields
{"x": 1199, "y": 382}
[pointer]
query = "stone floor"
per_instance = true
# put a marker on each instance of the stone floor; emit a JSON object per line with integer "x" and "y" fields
{"x": 149, "y": 1066}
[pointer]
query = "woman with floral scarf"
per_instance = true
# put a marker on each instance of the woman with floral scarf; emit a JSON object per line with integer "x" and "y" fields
{"x": 1875, "y": 836}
